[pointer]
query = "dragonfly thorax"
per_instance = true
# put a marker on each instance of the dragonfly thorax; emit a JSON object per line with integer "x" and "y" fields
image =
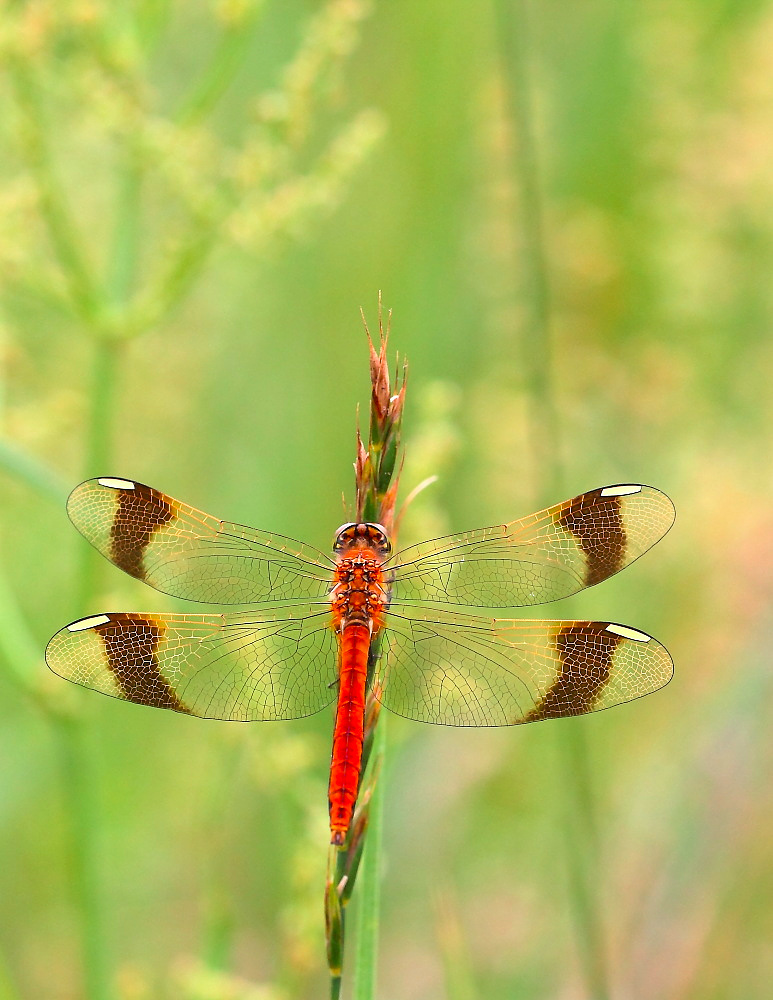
{"x": 358, "y": 593}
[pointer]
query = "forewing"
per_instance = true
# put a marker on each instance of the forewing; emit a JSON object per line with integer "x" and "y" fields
{"x": 243, "y": 668}
{"x": 182, "y": 551}
{"x": 541, "y": 558}
{"x": 455, "y": 670}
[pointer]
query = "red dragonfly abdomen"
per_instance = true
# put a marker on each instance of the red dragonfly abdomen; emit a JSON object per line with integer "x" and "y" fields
{"x": 348, "y": 736}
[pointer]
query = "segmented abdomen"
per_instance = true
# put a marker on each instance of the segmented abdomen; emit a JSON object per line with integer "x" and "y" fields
{"x": 348, "y": 736}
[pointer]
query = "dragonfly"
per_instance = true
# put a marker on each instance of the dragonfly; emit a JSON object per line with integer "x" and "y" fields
{"x": 324, "y": 629}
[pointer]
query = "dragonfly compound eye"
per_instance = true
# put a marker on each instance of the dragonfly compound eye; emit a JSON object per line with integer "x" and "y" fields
{"x": 359, "y": 535}
{"x": 379, "y": 538}
{"x": 344, "y": 536}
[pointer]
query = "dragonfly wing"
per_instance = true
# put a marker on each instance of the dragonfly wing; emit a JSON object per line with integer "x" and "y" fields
{"x": 244, "y": 667}
{"x": 541, "y": 558}
{"x": 182, "y": 551}
{"x": 455, "y": 670}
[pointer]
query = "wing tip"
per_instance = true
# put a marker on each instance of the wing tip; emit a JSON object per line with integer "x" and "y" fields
{"x": 638, "y": 636}
{"x": 631, "y": 489}
{"x": 624, "y": 490}
{"x": 71, "y": 629}
{"x": 108, "y": 483}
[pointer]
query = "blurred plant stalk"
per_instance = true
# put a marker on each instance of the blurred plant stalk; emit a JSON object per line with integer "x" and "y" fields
{"x": 580, "y": 838}
{"x": 377, "y": 476}
{"x": 265, "y": 185}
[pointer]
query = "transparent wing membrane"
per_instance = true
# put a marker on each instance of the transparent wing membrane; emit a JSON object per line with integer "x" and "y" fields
{"x": 456, "y": 670}
{"x": 182, "y": 551}
{"x": 435, "y": 665}
{"x": 239, "y": 667}
{"x": 541, "y": 558}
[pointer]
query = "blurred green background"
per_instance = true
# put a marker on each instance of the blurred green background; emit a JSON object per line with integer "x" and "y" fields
{"x": 569, "y": 207}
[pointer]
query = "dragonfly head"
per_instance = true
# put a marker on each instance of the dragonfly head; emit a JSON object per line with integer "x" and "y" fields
{"x": 365, "y": 535}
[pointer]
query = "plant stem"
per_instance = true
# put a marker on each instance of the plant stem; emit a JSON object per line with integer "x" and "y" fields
{"x": 77, "y": 770}
{"x": 127, "y": 230}
{"x": 571, "y": 739}
{"x": 84, "y": 820}
{"x": 86, "y": 303}
{"x": 185, "y": 264}
{"x": 79, "y": 780}
{"x": 581, "y": 845}
{"x": 536, "y": 347}
{"x": 32, "y": 472}
{"x": 224, "y": 66}
{"x": 54, "y": 209}
{"x": 98, "y": 450}
{"x": 366, "y": 956}
{"x": 109, "y": 349}
{"x": 19, "y": 648}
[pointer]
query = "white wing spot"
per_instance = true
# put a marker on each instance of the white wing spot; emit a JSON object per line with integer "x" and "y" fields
{"x": 629, "y": 633}
{"x": 620, "y": 491}
{"x": 85, "y": 623}
{"x": 116, "y": 484}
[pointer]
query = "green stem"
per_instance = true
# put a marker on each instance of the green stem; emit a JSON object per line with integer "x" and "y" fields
{"x": 19, "y": 648}
{"x": 54, "y": 209}
{"x": 85, "y": 820}
{"x": 536, "y": 340}
{"x": 224, "y": 66}
{"x": 32, "y": 472}
{"x": 98, "y": 450}
{"x": 17, "y": 644}
{"x": 15, "y": 461}
{"x": 572, "y": 747}
{"x": 127, "y": 231}
{"x": 189, "y": 259}
{"x": 581, "y": 847}
{"x": 177, "y": 278}
{"x": 79, "y": 784}
{"x": 78, "y": 780}
{"x": 366, "y": 955}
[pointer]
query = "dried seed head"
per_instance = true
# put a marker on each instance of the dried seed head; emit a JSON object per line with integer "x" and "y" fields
{"x": 376, "y": 476}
